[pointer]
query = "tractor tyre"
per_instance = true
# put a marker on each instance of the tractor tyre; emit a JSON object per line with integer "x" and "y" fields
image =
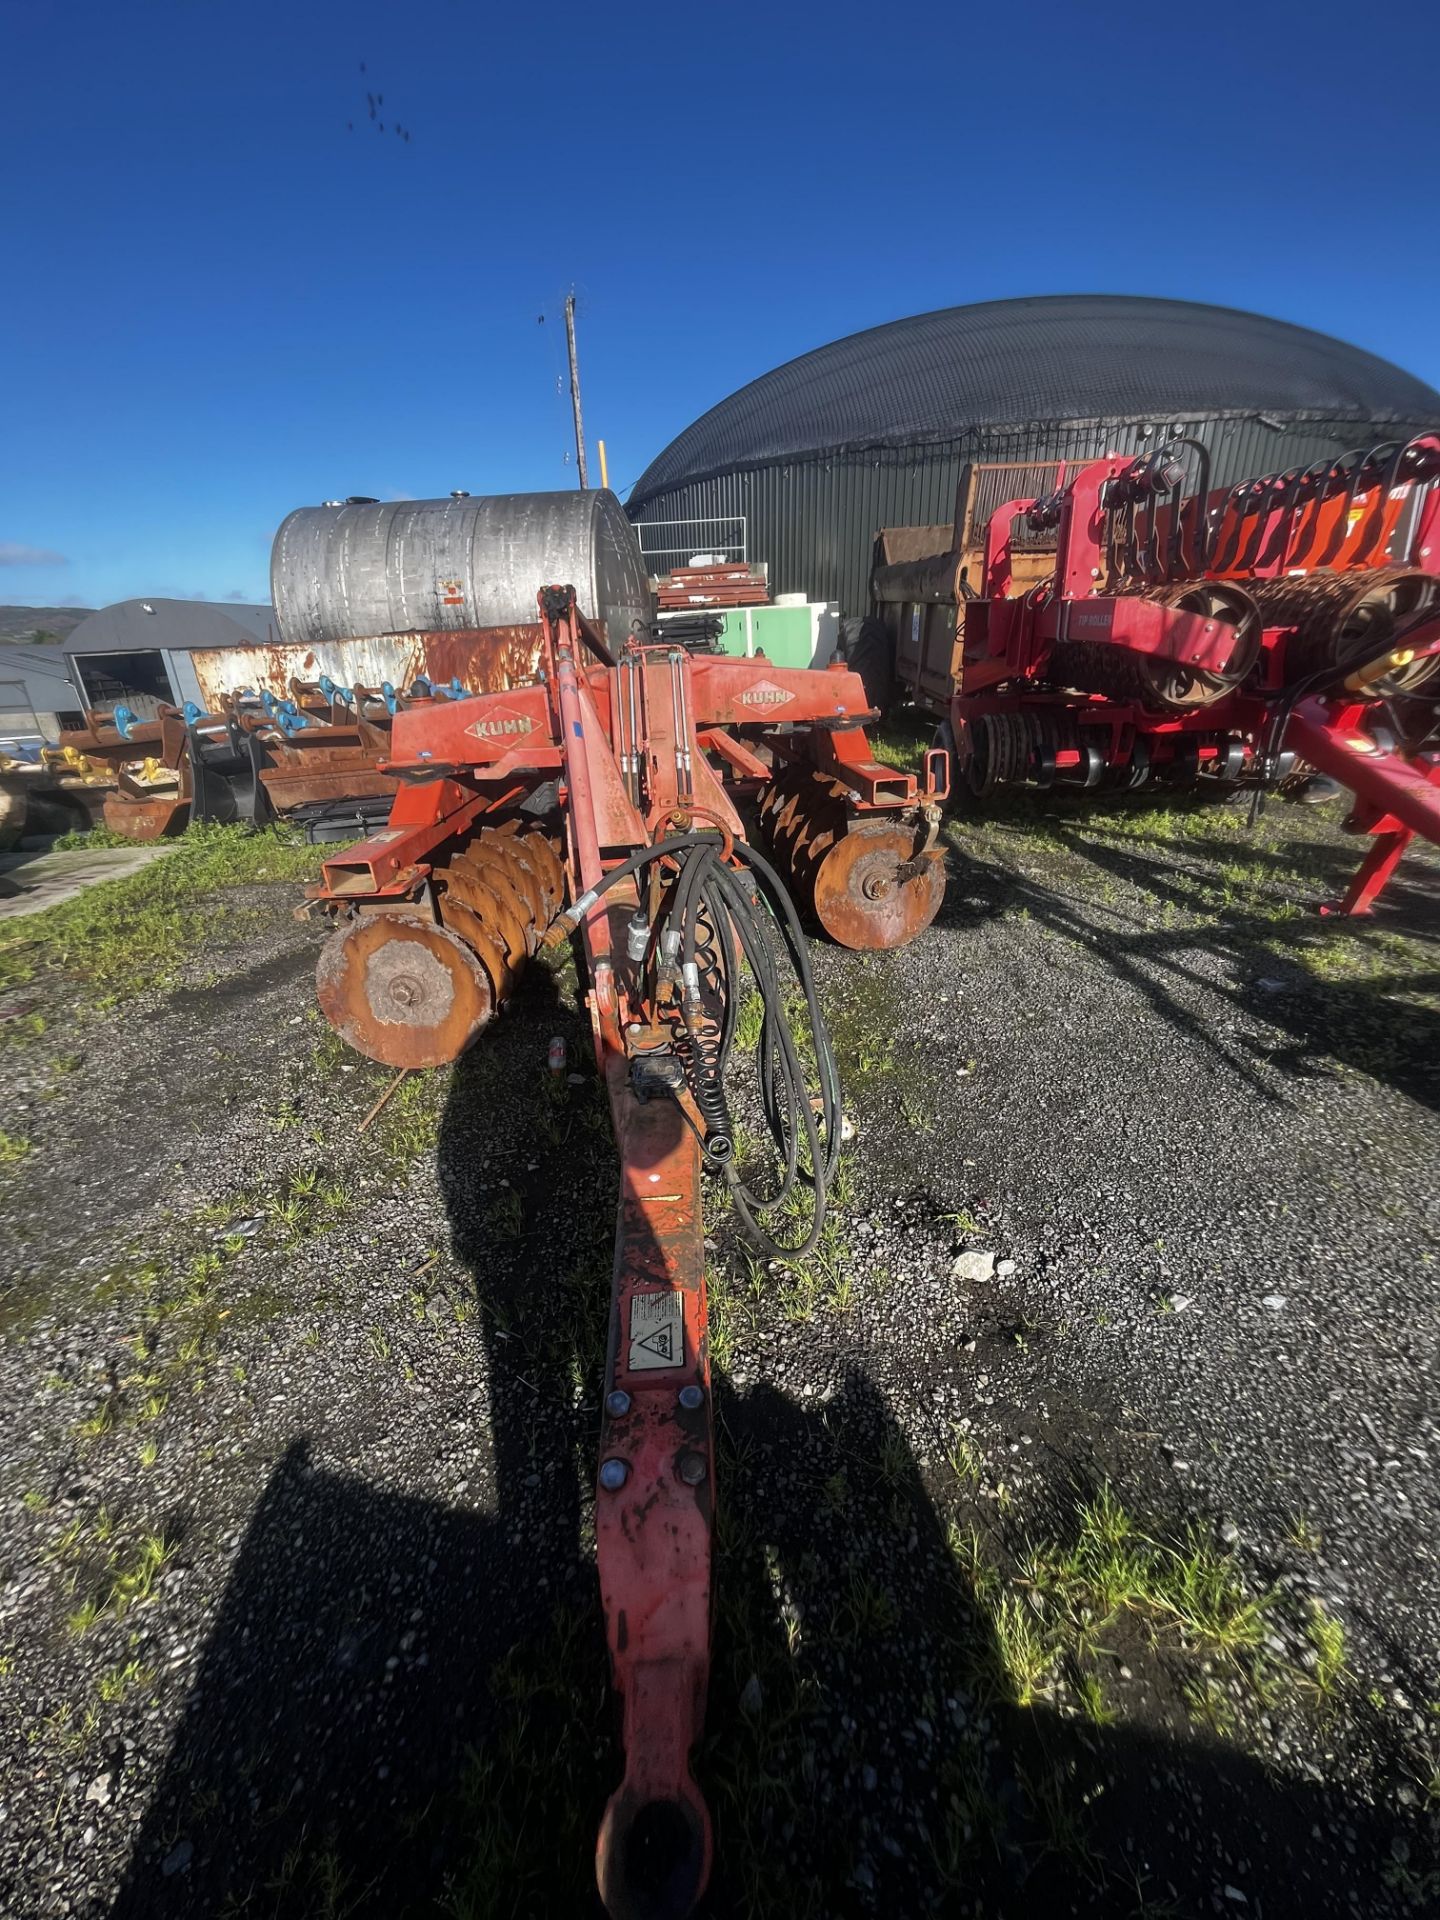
{"x": 870, "y": 652}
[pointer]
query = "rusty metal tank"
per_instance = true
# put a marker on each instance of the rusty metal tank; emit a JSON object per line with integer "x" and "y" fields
{"x": 457, "y": 565}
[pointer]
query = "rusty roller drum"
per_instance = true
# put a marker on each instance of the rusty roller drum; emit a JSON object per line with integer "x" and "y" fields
{"x": 872, "y": 880}
{"x": 1166, "y": 686}
{"x": 409, "y": 991}
{"x": 1346, "y": 623}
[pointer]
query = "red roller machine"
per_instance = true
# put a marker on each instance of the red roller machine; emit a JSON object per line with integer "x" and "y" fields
{"x": 1194, "y": 635}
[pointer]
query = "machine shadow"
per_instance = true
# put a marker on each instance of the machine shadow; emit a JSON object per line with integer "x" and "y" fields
{"x": 1327, "y": 1016}
{"x": 403, "y": 1708}
{"x": 394, "y": 1718}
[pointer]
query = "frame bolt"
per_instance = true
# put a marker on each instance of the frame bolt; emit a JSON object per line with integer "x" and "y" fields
{"x": 691, "y": 1468}
{"x": 617, "y": 1403}
{"x": 691, "y": 1398}
{"x": 614, "y": 1473}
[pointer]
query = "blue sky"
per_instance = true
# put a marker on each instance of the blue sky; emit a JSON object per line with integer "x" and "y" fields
{"x": 219, "y": 302}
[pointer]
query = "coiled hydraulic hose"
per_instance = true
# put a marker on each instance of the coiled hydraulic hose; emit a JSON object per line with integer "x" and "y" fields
{"x": 744, "y": 911}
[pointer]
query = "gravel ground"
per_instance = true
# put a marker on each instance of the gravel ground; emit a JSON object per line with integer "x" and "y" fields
{"x": 297, "y": 1607}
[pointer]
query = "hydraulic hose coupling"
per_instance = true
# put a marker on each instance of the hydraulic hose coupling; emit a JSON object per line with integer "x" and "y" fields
{"x": 565, "y": 924}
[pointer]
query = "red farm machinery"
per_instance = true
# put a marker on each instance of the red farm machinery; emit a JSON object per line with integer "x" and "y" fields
{"x": 1134, "y": 626}
{"x": 603, "y": 804}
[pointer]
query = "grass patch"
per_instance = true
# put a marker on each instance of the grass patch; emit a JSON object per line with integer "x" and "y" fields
{"x": 13, "y": 1148}
{"x": 1050, "y": 1618}
{"x": 409, "y": 1123}
{"x": 130, "y": 1677}
{"x": 134, "y": 932}
{"x": 121, "y": 1580}
{"x": 1326, "y": 1635}
{"x": 89, "y": 839}
{"x": 527, "y": 1796}
{"x": 901, "y": 744}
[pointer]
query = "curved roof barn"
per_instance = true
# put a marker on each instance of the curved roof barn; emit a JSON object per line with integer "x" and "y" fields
{"x": 1062, "y": 376}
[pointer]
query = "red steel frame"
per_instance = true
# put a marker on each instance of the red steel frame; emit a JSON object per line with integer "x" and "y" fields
{"x": 1341, "y": 516}
{"x": 627, "y": 740}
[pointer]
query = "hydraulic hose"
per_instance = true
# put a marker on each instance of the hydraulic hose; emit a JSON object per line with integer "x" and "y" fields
{"x": 716, "y": 910}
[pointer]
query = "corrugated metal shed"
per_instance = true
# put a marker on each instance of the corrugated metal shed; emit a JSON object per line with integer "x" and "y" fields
{"x": 140, "y": 651}
{"x": 40, "y": 672}
{"x": 875, "y": 430}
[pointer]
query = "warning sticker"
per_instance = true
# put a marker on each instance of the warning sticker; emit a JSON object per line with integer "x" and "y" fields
{"x": 657, "y": 1331}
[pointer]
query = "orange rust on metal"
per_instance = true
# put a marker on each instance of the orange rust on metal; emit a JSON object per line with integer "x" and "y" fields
{"x": 871, "y": 878}
{"x": 290, "y": 785}
{"x": 155, "y": 818}
{"x": 490, "y": 661}
{"x": 872, "y": 889}
{"x": 402, "y": 990}
{"x": 485, "y": 660}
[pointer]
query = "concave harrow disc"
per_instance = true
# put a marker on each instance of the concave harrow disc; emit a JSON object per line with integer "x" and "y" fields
{"x": 865, "y": 878}
{"x": 871, "y": 890}
{"x": 402, "y": 990}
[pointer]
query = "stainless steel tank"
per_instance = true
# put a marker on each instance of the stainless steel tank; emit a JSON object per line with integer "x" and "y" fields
{"x": 441, "y": 566}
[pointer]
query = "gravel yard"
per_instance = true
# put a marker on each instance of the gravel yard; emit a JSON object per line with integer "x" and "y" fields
{"x": 1077, "y": 1547}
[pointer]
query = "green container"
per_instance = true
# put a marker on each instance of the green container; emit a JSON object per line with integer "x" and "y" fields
{"x": 785, "y": 635}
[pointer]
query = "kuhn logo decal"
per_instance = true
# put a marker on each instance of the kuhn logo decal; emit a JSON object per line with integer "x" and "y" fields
{"x": 765, "y": 693}
{"x": 495, "y": 725}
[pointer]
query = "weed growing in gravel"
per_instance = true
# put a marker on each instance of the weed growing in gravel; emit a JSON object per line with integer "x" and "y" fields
{"x": 13, "y": 1147}
{"x": 1091, "y": 1696}
{"x": 313, "y": 1880}
{"x": 505, "y": 1215}
{"x": 1302, "y": 1536}
{"x": 964, "y": 1458}
{"x": 131, "y": 1677}
{"x": 84, "y": 1617}
{"x": 1210, "y": 1703}
{"x": 1326, "y": 1635}
{"x": 749, "y": 1022}
{"x": 132, "y": 933}
{"x": 1063, "y": 1595}
{"x": 1058, "y": 1803}
{"x": 126, "y": 1579}
{"x": 409, "y": 1124}
{"x": 1024, "y": 1654}
{"x": 961, "y": 1222}
{"x": 133, "y": 1579}
{"x": 526, "y": 1795}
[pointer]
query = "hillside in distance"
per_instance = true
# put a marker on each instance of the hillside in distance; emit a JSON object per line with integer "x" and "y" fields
{"x": 39, "y": 626}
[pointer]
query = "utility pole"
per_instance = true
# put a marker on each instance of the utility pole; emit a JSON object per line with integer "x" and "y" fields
{"x": 575, "y": 390}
